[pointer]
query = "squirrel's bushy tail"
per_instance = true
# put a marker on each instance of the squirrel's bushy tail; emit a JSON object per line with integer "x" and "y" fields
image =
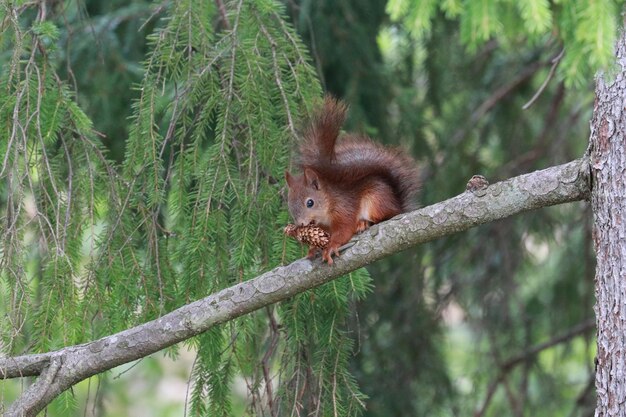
{"x": 321, "y": 134}
{"x": 355, "y": 160}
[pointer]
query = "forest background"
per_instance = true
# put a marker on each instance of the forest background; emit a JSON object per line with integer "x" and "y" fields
{"x": 155, "y": 136}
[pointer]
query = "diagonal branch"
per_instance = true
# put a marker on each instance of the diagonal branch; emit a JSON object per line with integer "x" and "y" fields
{"x": 506, "y": 367}
{"x": 60, "y": 370}
{"x": 575, "y": 331}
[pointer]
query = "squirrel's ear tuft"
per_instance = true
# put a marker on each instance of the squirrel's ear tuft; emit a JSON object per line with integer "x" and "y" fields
{"x": 289, "y": 179}
{"x": 311, "y": 179}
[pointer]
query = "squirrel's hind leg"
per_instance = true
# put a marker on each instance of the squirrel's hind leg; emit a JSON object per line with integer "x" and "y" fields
{"x": 362, "y": 225}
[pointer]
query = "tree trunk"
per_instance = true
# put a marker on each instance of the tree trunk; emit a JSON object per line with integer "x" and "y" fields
{"x": 608, "y": 199}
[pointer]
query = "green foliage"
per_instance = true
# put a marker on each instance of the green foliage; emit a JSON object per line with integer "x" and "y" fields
{"x": 587, "y": 30}
{"x": 316, "y": 339}
{"x": 342, "y": 39}
{"x": 536, "y": 16}
{"x": 193, "y": 206}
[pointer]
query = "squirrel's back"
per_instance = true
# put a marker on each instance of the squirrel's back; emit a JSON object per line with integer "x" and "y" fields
{"x": 349, "y": 160}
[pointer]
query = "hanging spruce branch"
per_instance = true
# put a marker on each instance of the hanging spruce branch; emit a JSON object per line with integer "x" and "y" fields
{"x": 195, "y": 206}
{"x": 588, "y": 30}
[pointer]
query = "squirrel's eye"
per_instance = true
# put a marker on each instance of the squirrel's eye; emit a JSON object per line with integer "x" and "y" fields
{"x": 309, "y": 203}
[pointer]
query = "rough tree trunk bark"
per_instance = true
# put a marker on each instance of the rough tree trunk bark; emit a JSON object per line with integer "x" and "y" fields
{"x": 608, "y": 199}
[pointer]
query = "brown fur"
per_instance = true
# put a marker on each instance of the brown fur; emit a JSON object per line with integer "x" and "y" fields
{"x": 353, "y": 182}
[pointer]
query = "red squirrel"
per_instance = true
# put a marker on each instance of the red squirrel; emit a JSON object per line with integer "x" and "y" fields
{"x": 348, "y": 183}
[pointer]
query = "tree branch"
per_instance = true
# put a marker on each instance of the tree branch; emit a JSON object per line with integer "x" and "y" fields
{"x": 62, "y": 369}
{"x": 577, "y": 330}
{"x": 528, "y": 354}
{"x": 21, "y": 366}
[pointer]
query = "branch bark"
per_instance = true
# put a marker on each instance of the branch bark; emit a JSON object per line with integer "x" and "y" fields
{"x": 61, "y": 369}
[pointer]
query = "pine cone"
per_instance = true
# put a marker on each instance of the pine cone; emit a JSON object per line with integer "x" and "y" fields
{"x": 310, "y": 235}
